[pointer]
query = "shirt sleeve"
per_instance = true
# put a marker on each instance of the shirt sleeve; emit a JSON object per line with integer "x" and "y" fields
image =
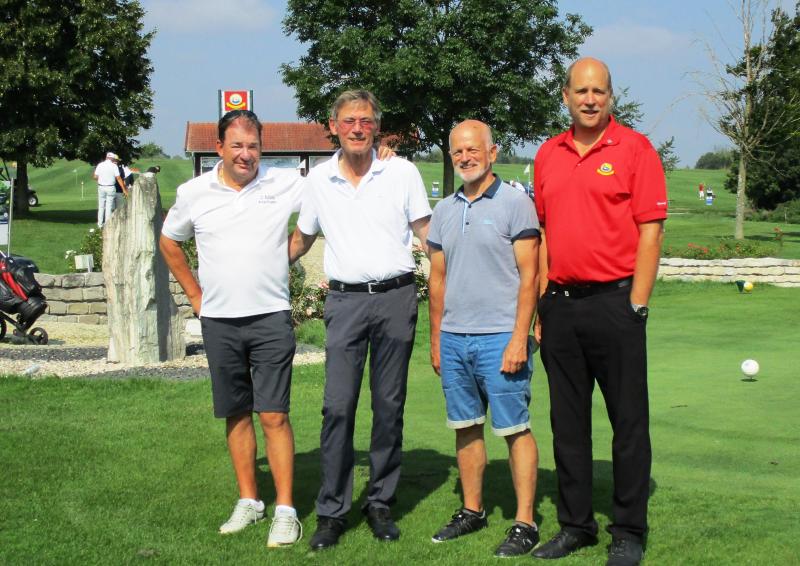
{"x": 417, "y": 205}
{"x": 178, "y": 224}
{"x": 308, "y": 222}
{"x": 649, "y": 188}
{"x": 298, "y": 191}
{"x": 435, "y": 229}
{"x": 523, "y": 222}
{"x": 538, "y": 193}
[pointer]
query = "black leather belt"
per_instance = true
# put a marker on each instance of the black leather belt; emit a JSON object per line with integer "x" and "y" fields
{"x": 588, "y": 289}
{"x": 373, "y": 287}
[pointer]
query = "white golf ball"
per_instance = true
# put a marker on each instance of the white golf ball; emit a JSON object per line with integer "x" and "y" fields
{"x": 750, "y": 367}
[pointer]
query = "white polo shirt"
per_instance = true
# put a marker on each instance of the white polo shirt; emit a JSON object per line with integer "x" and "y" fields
{"x": 367, "y": 228}
{"x": 106, "y": 172}
{"x": 241, "y": 239}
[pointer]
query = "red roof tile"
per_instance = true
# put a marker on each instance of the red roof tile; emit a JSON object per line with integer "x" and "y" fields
{"x": 275, "y": 136}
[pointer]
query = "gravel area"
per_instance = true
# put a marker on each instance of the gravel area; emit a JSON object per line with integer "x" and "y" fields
{"x": 80, "y": 350}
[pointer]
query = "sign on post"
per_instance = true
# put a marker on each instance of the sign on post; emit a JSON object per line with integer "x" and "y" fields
{"x": 235, "y": 100}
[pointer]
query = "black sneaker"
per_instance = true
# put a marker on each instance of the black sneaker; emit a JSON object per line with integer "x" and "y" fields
{"x": 520, "y": 540}
{"x": 624, "y": 552}
{"x": 463, "y": 522}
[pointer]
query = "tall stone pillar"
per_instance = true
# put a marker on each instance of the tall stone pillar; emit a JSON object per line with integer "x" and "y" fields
{"x": 143, "y": 322}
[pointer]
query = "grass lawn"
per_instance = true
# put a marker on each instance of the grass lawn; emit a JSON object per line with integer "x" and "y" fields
{"x": 61, "y": 221}
{"x": 126, "y": 471}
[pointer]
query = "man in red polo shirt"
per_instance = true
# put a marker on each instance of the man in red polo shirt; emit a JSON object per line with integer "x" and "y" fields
{"x": 601, "y": 200}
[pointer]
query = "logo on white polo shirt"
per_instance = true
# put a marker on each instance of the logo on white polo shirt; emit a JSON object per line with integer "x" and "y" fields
{"x": 266, "y": 199}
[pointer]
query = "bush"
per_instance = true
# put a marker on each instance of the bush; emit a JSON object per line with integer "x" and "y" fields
{"x": 727, "y": 248}
{"x": 786, "y": 213}
{"x": 307, "y": 301}
{"x": 92, "y": 244}
{"x": 718, "y": 159}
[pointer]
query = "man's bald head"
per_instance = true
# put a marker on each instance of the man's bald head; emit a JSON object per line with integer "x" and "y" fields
{"x": 588, "y": 64}
{"x": 479, "y": 129}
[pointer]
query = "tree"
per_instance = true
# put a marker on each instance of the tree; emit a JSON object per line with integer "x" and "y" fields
{"x": 74, "y": 81}
{"x": 736, "y": 90}
{"x": 151, "y": 150}
{"x": 666, "y": 153}
{"x": 774, "y": 172}
{"x": 434, "y": 63}
{"x": 720, "y": 158}
{"x": 629, "y": 113}
{"x": 626, "y": 111}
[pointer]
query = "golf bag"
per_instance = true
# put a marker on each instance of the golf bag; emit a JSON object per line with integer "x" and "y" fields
{"x": 20, "y": 295}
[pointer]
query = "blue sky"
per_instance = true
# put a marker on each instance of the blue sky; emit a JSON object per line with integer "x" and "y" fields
{"x": 652, "y": 48}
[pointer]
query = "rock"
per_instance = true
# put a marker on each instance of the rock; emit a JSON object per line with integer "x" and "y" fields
{"x": 143, "y": 322}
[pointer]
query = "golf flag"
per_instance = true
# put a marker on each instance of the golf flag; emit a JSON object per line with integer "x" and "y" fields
{"x": 235, "y": 100}
{"x": 527, "y": 169}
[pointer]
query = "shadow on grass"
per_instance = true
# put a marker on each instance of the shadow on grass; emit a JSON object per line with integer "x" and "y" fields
{"x": 499, "y": 474}
{"x": 64, "y": 216}
{"x": 423, "y": 472}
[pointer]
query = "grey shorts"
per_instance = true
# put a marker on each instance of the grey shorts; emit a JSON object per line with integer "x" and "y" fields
{"x": 250, "y": 360}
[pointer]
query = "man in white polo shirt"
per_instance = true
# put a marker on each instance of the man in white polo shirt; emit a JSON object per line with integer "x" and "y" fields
{"x": 107, "y": 176}
{"x": 369, "y": 211}
{"x": 238, "y": 213}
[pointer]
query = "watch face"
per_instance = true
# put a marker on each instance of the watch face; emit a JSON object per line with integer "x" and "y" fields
{"x": 643, "y": 312}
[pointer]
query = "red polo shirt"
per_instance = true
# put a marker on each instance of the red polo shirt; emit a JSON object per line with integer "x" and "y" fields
{"x": 590, "y": 206}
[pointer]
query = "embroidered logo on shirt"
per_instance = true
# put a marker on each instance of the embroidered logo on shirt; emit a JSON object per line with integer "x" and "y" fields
{"x": 266, "y": 199}
{"x": 606, "y": 169}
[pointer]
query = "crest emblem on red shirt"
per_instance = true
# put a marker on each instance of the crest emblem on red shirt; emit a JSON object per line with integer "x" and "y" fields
{"x": 606, "y": 169}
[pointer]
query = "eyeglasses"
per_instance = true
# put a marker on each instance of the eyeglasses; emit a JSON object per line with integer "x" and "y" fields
{"x": 365, "y": 123}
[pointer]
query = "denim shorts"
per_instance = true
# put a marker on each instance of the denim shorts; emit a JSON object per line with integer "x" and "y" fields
{"x": 472, "y": 380}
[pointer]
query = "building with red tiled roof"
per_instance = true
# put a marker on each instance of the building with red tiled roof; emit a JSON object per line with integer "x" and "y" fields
{"x": 287, "y": 144}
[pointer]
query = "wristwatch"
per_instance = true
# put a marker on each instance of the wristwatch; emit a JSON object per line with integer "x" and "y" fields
{"x": 640, "y": 310}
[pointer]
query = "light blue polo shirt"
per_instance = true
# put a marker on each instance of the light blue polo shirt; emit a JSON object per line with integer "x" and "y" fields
{"x": 482, "y": 279}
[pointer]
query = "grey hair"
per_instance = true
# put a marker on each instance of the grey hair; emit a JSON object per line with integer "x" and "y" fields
{"x": 357, "y": 95}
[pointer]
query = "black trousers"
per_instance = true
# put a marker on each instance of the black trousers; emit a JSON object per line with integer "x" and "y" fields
{"x": 384, "y": 325}
{"x": 600, "y": 338}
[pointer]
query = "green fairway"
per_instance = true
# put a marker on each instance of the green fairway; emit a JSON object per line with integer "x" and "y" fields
{"x": 122, "y": 471}
{"x": 62, "y": 219}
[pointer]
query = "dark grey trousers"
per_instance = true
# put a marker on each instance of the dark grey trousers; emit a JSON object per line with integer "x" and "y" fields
{"x": 384, "y": 324}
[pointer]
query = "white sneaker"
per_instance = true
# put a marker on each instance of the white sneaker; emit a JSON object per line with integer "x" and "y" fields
{"x": 285, "y": 530}
{"x": 244, "y": 515}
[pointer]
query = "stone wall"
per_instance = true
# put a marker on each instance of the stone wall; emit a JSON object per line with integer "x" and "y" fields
{"x": 81, "y": 297}
{"x": 780, "y": 272}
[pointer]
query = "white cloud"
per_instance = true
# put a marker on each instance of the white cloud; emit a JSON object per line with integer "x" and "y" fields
{"x": 630, "y": 39}
{"x": 192, "y": 16}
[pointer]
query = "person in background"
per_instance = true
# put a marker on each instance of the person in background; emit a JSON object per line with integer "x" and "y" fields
{"x": 108, "y": 177}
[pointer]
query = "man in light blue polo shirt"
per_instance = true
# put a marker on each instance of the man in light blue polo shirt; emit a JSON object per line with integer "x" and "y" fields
{"x": 484, "y": 246}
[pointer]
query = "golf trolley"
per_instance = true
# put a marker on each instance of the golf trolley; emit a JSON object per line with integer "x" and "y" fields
{"x": 20, "y": 295}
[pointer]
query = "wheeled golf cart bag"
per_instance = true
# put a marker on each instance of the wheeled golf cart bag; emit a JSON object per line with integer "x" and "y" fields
{"x": 20, "y": 293}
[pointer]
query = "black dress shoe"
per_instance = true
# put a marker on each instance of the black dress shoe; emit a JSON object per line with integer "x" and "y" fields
{"x": 563, "y": 544}
{"x": 624, "y": 552}
{"x": 380, "y": 521}
{"x": 329, "y": 529}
